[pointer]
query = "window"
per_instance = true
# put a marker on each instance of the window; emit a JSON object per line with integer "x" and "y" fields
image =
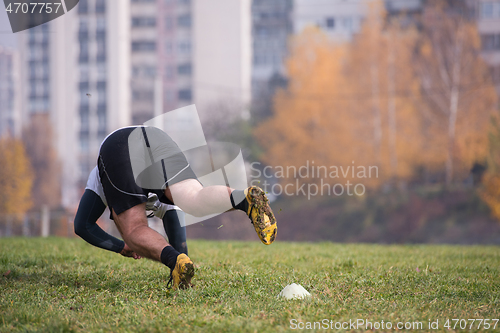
{"x": 83, "y": 6}
{"x": 100, "y": 6}
{"x": 143, "y": 46}
{"x": 169, "y": 72}
{"x": 347, "y": 23}
{"x": 169, "y": 24}
{"x": 143, "y": 21}
{"x": 101, "y": 46}
{"x": 101, "y": 120}
{"x": 34, "y": 53}
{"x": 142, "y": 95}
{"x": 184, "y": 46}
{"x": 486, "y": 9}
{"x": 169, "y": 49}
{"x": 169, "y": 96}
{"x": 83, "y": 31}
{"x": 101, "y": 71}
{"x": 260, "y": 59}
{"x": 33, "y": 72}
{"x": 148, "y": 71}
{"x": 185, "y": 95}
{"x": 101, "y": 108}
{"x": 262, "y": 31}
{"x": 101, "y": 50}
{"x": 100, "y": 35}
{"x": 100, "y": 32}
{"x": 184, "y": 69}
{"x": 101, "y": 85}
{"x": 330, "y": 22}
{"x": 84, "y": 73}
{"x": 84, "y": 108}
{"x": 84, "y": 121}
{"x": 100, "y": 23}
{"x": 490, "y": 42}
{"x": 184, "y": 21}
{"x": 84, "y": 99}
{"x": 84, "y": 52}
{"x": 84, "y": 86}
{"x": 101, "y": 97}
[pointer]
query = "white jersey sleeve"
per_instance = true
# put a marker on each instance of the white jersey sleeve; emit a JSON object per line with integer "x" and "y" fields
{"x": 94, "y": 184}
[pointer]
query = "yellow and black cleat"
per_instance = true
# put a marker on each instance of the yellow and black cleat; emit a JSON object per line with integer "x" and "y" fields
{"x": 261, "y": 214}
{"x": 182, "y": 274}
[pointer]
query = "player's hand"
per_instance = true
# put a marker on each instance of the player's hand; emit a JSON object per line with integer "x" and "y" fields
{"x": 127, "y": 252}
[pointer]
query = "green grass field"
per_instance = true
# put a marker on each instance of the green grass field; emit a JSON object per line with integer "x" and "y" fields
{"x": 61, "y": 285}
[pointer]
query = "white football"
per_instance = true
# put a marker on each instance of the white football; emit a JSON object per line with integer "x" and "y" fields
{"x": 294, "y": 290}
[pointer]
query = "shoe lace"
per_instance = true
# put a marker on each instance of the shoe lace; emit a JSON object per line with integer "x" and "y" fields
{"x": 170, "y": 281}
{"x": 250, "y": 213}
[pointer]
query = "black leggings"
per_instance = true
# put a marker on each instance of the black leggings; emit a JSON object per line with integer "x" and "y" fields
{"x": 175, "y": 232}
{"x": 91, "y": 208}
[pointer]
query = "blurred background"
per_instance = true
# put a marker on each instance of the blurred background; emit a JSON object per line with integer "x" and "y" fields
{"x": 393, "y": 102}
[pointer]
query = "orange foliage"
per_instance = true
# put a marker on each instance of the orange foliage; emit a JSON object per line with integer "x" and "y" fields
{"x": 16, "y": 178}
{"x": 361, "y": 103}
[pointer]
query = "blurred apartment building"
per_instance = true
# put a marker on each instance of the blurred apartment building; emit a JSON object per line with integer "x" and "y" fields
{"x": 189, "y": 51}
{"x": 487, "y": 14}
{"x": 272, "y": 25}
{"x": 274, "y": 21}
{"x": 103, "y": 63}
{"x": 76, "y": 70}
{"x": 338, "y": 19}
{"x": 46, "y": 81}
{"x": 10, "y": 123}
{"x": 108, "y": 64}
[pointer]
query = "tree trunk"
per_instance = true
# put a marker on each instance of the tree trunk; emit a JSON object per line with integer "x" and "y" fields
{"x": 391, "y": 111}
{"x": 377, "y": 119}
{"x": 452, "y": 119}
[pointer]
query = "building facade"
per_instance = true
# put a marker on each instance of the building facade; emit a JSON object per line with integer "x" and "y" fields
{"x": 76, "y": 69}
{"x": 10, "y": 122}
{"x": 189, "y": 52}
{"x": 272, "y": 25}
{"x": 487, "y": 14}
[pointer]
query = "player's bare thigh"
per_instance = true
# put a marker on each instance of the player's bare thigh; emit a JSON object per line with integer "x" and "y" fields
{"x": 183, "y": 190}
{"x": 129, "y": 220}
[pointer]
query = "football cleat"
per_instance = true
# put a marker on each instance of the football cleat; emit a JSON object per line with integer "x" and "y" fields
{"x": 261, "y": 215}
{"x": 181, "y": 275}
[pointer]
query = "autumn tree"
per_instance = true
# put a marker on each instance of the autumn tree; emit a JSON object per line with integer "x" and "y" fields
{"x": 343, "y": 103}
{"x": 309, "y": 121}
{"x": 459, "y": 97}
{"x": 38, "y": 139}
{"x": 396, "y": 97}
{"x": 490, "y": 190}
{"x": 384, "y": 88}
{"x": 16, "y": 180}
